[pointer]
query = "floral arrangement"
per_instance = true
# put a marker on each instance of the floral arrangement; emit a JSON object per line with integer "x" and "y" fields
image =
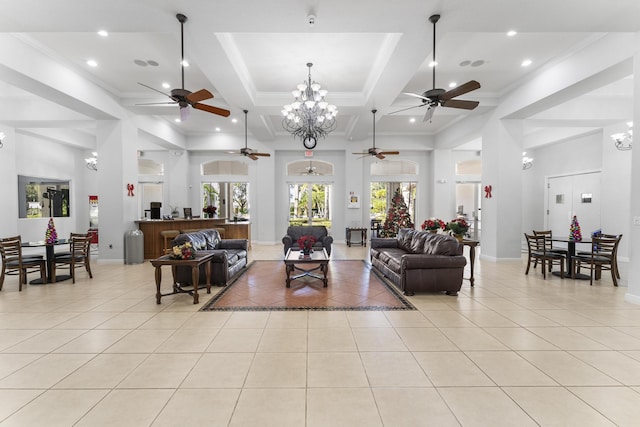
{"x": 184, "y": 251}
{"x": 306, "y": 243}
{"x": 211, "y": 210}
{"x": 51, "y": 236}
{"x": 433, "y": 224}
{"x": 457, "y": 226}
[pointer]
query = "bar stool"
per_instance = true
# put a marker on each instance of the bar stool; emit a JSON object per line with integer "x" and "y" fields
{"x": 167, "y": 237}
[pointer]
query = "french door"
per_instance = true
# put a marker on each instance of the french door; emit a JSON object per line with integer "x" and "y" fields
{"x": 310, "y": 204}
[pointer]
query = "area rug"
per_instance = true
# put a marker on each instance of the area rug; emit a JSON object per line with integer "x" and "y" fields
{"x": 353, "y": 285}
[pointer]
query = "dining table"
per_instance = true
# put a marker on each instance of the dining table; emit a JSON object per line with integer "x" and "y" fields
{"x": 571, "y": 252}
{"x": 50, "y": 259}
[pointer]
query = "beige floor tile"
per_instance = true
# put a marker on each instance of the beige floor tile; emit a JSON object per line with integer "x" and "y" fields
{"x": 425, "y": 339}
{"x": 407, "y": 319}
{"x": 88, "y": 320}
{"x": 270, "y": 408}
{"x": 451, "y": 319}
{"x": 247, "y": 319}
{"x": 10, "y": 363}
{"x": 283, "y": 370}
{"x": 528, "y": 318}
{"x": 378, "y": 339}
{"x": 188, "y": 341}
{"x": 287, "y": 319}
{"x": 283, "y": 340}
{"x": 487, "y": 319}
{"x": 189, "y": 408}
{"x": 93, "y": 341}
{"x": 472, "y": 339}
{"x": 164, "y": 370}
{"x": 446, "y": 369}
{"x": 58, "y": 407}
{"x": 487, "y": 406}
{"x": 46, "y": 371}
{"x": 621, "y": 405}
{"x": 328, "y": 319}
{"x": 566, "y": 369}
{"x": 141, "y": 341}
{"x": 609, "y": 337}
{"x": 167, "y": 320}
{"x": 368, "y": 319}
{"x": 12, "y": 400}
{"x": 207, "y": 320}
{"x": 393, "y": 369}
{"x": 556, "y": 406}
{"x": 567, "y": 318}
{"x": 331, "y": 339}
{"x": 219, "y": 370}
{"x": 520, "y": 339}
{"x": 236, "y": 340}
{"x": 338, "y": 407}
{"x": 567, "y": 339}
{"x": 507, "y": 368}
{"x": 126, "y": 321}
{"x": 336, "y": 370}
{"x": 615, "y": 364}
{"x": 103, "y": 371}
{"x": 411, "y": 407}
{"x": 45, "y": 342}
{"x": 124, "y": 408}
{"x": 11, "y": 337}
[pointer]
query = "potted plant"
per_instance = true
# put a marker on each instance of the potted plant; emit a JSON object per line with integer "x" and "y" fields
{"x": 433, "y": 225}
{"x": 457, "y": 227}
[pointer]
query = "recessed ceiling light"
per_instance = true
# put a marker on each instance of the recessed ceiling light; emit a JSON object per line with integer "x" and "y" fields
{"x": 526, "y": 63}
{"x": 177, "y": 120}
{"x": 412, "y": 120}
{"x": 92, "y": 63}
{"x": 477, "y": 63}
{"x": 166, "y": 85}
{"x": 217, "y": 129}
{"x": 512, "y": 33}
{"x": 465, "y": 63}
{"x": 103, "y": 33}
{"x": 234, "y": 120}
{"x": 185, "y": 63}
{"x": 432, "y": 64}
{"x": 453, "y": 84}
{"x": 140, "y": 62}
{"x": 152, "y": 63}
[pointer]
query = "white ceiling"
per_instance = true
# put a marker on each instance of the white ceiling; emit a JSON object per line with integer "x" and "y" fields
{"x": 252, "y": 53}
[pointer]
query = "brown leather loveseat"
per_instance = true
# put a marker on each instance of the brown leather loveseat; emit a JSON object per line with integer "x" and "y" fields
{"x": 418, "y": 261}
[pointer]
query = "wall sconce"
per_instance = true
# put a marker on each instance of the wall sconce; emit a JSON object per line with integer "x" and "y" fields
{"x": 622, "y": 140}
{"x": 92, "y": 162}
{"x": 527, "y": 162}
{"x": 2, "y": 137}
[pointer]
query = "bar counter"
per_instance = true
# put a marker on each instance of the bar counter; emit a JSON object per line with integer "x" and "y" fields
{"x": 153, "y": 244}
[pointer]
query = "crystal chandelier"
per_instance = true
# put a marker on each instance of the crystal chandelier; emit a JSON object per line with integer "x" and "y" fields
{"x": 620, "y": 139}
{"x": 309, "y": 116}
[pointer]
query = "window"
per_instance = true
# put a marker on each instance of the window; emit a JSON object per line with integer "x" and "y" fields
{"x": 382, "y": 193}
{"x": 43, "y": 197}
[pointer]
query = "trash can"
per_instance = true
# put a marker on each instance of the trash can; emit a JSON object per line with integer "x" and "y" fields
{"x": 133, "y": 247}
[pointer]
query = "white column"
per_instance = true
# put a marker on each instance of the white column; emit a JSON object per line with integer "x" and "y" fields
{"x": 443, "y": 204}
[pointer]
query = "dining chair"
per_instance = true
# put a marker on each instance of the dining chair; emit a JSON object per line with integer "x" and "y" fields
{"x": 549, "y": 242}
{"x": 79, "y": 255}
{"x": 614, "y": 256}
{"x": 24, "y": 256}
{"x": 13, "y": 263}
{"x": 537, "y": 251}
{"x": 602, "y": 257}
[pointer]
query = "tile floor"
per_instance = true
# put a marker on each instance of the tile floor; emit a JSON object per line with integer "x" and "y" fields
{"x": 514, "y": 350}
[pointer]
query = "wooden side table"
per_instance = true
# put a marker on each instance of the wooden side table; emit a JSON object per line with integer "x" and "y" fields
{"x": 472, "y": 255}
{"x": 363, "y": 236}
{"x": 200, "y": 259}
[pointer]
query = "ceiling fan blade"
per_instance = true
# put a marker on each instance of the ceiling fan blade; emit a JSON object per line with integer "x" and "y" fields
{"x": 252, "y": 156}
{"x": 415, "y": 95}
{"x": 156, "y": 90}
{"x": 261, "y": 154}
{"x": 428, "y": 114}
{"x": 200, "y": 95}
{"x": 362, "y": 154}
{"x": 460, "y": 90}
{"x": 459, "y": 103}
{"x": 159, "y": 103}
{"x": 408, "y": 108}
{"x": 389, "y": 153}
{"x": 380, "y": 156}
{"x": 184, "y": 113}
{"x": 210, "y": 109}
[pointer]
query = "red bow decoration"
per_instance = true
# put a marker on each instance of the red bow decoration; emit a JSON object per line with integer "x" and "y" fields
{"x": 487, "y": 191}
{"x": 130, "y": 190}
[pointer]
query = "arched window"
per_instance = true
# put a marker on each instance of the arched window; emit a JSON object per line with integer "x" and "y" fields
{"x": 309, "y": 167}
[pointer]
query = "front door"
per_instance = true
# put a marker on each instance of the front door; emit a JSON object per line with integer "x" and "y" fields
{"x": 310, "y": 204}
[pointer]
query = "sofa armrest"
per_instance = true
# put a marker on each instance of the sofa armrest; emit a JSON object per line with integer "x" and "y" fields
{"x": 234, "y": 244}
{"x": 383, "y": 242}
{"x": 287, "y": 240}
{"x": 326, "y": 241}
{"x": 417, "y": 261}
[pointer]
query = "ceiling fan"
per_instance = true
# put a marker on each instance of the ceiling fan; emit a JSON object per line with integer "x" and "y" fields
{"x": 310, "y": 170}
{"x": 373, "y": 151}
{"x": 183, "y": 97}
{"x": 248, "y": 152}
{"x": 435, "y": 97}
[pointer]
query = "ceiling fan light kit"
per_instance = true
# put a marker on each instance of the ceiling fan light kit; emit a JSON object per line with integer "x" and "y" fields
{"x": 183, "y": 97}
{"x": 309, "y": 116}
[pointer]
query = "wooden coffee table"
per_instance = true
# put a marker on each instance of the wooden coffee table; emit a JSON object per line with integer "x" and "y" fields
{"x": 200, "y": 258}
{"x": 293, "y": 261}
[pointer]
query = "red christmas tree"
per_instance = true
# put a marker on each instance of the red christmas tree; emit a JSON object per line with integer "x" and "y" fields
{"x": 397, "y": 217}
{"x": 576, "y": 234}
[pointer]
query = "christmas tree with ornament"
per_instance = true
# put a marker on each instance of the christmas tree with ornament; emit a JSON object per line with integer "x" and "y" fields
{"x": 51, "y": 236}
{"x": 575, "y": 233}
{"x": 397, "y": 217}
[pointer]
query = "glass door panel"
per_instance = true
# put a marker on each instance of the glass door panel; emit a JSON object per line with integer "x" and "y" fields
{"x": 310, "y": 204}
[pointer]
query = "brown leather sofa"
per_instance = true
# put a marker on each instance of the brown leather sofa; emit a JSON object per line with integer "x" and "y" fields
{"x": 419, "y": 261}
{"x": 230, "y": 256}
